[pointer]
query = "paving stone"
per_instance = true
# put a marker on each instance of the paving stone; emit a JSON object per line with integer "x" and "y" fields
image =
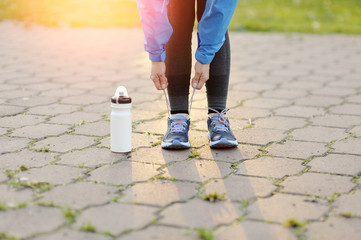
{"x": 259, "y": 136}
{"x": 350, "y": 145}
{"x": 72, "y": 234}
{"x": 268, "y": 103}
{"x": 161, "y": 233}
{"x": 318, "y": 101}
{"x": 40, "y": 131}
{"x": 65, "y": 143}
{"x": 155, "y": 126}
{"x": 299, "y": 111}
{"x": 342, "y": 121}
{"x": 285, "y": 93}
{"x": 356, "y": 130}
{"x": 101, "y": 128}
{"x": 21, "y": 120}
{"x": 53, "y": 109}
{"x": 80, "y": 195}
{"x": 317, "y": 184}
{"x": 198, "y": 138}
{"x": 254, "y": 230}
{"x": 91, "y": 157}
{"x": 32, "y": 101}
{"x": 3, "y": 176}
{"x": 12, "y": 94}
{"x": 159, "y": 192}
{"x": 270, "y": 167}
{"x": 117, "y": 217}
{"x": 75, "y": 118}
{"x": 159, "y": 155}
{"x": 53, "y": 174}
{"x": 124, "y": 173}
{"x": 102, "y": 108}
{"x": 249, "y": 113}
{"x": 281, "y": 207}
{"x": 296, "y": 149}
{"x": 237, "y": 188}
{"x": 14, "y": 161}
{"x": 318, "y": 134}
{"x": 334, "y": 91}
{"x": 30, "y": 220}
{"x": 336, "y": 228}
{"x": 198, "y": 170}
{"x": 348, "y": 109}
{"x": 354, "y": 99}
{"x": 66, "y": 92}
{"x": 200, "y": 214}
{"x": 254, "y": 87}
{"x": 11, "y": 197}
{"x": 82, "y": 100}
{"x": 236, "y": 97}
{"x": 277, "y": 122}
{"x": 6, "y": 110}
{"x": 44, "y": 86}
{"x": 337, "y": 163}
{"x": 10, "y": 144}
{"x": 349, "y": 203}
{"x": 241, "y": 152}
{"x": 3, "y": 131}
{"x": 142, "y": 115}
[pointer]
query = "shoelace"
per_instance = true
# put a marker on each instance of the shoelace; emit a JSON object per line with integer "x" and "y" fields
{"x": 219, "y": 120}
{"x": 168, "y": 105}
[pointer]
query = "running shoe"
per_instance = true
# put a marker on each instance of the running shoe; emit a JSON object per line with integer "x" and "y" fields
{"x": 176, "y": 136}
{"x": 219, "y": 132}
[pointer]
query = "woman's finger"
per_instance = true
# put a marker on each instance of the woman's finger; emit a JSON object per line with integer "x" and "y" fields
{"x": 156, "y": 81}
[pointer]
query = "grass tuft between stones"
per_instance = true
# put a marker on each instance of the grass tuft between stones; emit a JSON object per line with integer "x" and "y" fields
{"x": 205, "y": 234}
{"x": 194, "y": 154}
{"x": 214, "y": 197}
{"x": 88, "y": 227}
{"x": 5, "y": 236}
{"x": 70, "y": 214}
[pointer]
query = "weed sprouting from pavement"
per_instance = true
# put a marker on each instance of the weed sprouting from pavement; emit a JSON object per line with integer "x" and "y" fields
{"x": 44, "y": 149}
{"x": 205, "y": 234}
{"x": 88, "y": 227}
{"x": 69, "y": 214}
{"x": 194, "y": 154}
{"x": 214, "y": 197}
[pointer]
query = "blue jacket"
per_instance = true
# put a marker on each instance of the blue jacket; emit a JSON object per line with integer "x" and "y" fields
{"x": 211, "y": 28}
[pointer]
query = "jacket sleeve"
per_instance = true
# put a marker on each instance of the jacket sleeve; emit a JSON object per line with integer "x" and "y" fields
{"x": 156, "y": 27}
{"x": 212, "y": 28}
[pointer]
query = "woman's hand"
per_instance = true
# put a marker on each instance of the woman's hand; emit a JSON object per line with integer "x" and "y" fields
{"x": 158, "y": 75}
{"x": 201, "y": 75}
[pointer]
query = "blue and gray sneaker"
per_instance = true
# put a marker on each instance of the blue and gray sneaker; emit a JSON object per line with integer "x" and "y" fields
{"x": 176, "y": 136}
{"x": 219, "y": 131}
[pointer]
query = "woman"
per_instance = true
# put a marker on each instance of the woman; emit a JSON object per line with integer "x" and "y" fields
{"x": 168, "y": 27}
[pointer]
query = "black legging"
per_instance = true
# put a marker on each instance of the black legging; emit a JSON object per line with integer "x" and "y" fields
{"x": 178, "y": 61}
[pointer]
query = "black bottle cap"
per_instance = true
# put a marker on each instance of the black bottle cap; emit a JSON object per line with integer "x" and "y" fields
{"x": 121, "y": 99}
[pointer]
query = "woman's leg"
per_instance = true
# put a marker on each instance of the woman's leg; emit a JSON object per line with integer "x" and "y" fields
{"x": 217, "y": 85}
{"x": 178, "y": 61}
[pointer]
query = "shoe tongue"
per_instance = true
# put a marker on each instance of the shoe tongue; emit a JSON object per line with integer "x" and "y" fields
{"x": 179, "y": 117}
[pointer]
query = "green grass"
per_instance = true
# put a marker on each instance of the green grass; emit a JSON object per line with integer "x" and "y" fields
{"x": 309, "y": 16}
{"x": 312, "y": 16}
{"x": 214, "y": 197}
{"x": 205, "y": 234}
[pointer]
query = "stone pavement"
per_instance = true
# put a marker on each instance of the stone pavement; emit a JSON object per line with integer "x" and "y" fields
{"x": 295, "y": 108}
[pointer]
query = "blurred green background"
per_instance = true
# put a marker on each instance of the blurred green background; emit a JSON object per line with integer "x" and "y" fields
{"x": 311, "y": 16}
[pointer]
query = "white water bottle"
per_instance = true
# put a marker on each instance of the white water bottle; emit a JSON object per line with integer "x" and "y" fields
{"x": 121, "y": 121}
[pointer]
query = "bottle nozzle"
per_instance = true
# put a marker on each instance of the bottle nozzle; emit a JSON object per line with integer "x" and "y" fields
{"x": 121, "y": 91}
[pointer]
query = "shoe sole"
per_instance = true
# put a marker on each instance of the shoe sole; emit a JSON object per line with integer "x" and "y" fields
{"x": 176, "y": 145}
{"x": 222, "y": 143}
